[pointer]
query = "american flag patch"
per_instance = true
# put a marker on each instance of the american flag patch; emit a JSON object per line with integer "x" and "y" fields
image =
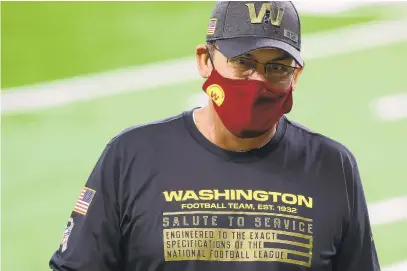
{"x": 84, "y": 200}
{"x": 211, "y": 26}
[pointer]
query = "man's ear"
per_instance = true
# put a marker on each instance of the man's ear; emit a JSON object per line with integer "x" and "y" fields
{"x": 203, "y": 62}
{"x": 297, "y": 76}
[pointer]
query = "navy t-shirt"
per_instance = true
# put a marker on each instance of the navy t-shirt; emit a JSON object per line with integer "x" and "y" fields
{"x": 163, "y": 197}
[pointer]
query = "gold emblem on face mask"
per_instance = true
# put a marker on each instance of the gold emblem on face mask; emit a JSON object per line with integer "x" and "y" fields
{"x": 216, "y": 93}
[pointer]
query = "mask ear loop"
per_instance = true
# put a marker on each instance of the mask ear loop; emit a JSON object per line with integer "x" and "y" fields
{"x": 210, "y": 58}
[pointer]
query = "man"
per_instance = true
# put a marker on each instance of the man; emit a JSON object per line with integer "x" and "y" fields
{"x": 233, "y": 185}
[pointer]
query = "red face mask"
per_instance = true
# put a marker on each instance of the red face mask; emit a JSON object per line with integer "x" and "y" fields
{"x": 247, "y": 108}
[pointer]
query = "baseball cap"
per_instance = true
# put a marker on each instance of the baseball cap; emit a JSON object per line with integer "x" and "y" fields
{"x": 239, "y": 27}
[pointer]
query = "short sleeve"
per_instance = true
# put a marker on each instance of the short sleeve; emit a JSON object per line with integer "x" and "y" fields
{"x": 357, "y": 251}
{"x": 91, "y": 240}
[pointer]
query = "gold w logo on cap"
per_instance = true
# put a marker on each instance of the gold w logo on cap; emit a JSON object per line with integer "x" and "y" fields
{"x": 258, "y": 18}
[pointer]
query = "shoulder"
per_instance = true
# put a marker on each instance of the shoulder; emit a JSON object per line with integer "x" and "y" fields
{"x": 147, "y": 139}
{"x": 149, "y": 131}
{"x": 145, "y": 143}
{"x": 303, "y": 137}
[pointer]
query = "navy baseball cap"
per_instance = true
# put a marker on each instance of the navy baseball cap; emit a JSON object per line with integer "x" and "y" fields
{"x": 239, "y": 27}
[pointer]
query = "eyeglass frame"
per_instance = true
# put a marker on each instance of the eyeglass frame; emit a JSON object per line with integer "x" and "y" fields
{"x": 212, "y": 44}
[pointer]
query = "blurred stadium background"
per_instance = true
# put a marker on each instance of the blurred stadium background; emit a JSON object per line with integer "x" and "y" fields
{"x": 74, "y": 74}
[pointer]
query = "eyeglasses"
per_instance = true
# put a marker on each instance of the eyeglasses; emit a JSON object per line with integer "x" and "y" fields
{"x": 243, "y": 67}
{"x": 275, "y": 72}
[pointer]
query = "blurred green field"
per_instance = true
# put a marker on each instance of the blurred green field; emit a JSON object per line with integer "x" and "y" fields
{"x": 46, "y": 41}
{"x": 48, "y": 154}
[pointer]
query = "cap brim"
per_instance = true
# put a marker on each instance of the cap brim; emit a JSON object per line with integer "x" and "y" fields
{"x": 238, "y": 46}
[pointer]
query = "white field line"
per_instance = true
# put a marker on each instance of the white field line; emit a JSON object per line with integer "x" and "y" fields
{"x": 391, "y": 107}
{"x": 141, "y": 78}
{"x": 400, "y": 266}
{"x": 88, "y": 87}
{"x": 388, "y": 211}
